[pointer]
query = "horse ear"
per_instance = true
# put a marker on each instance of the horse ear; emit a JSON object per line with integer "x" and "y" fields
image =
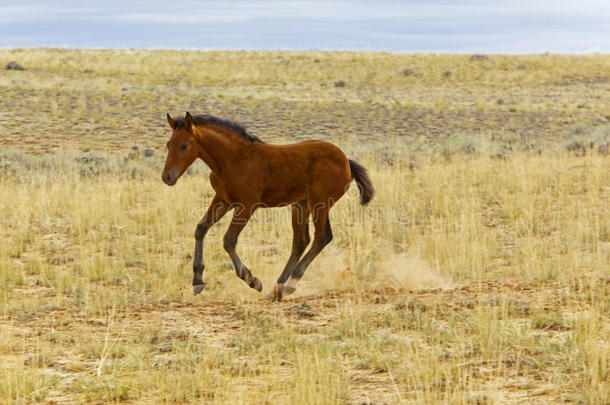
{"x": 188, "y": 121}
{"x": 171, "y": 121}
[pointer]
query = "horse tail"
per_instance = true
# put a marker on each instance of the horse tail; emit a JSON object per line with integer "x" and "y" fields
{"x": 363, "y": 181}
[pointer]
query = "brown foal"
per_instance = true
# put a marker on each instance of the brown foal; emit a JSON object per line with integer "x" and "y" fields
{"x": 248, "y": 174}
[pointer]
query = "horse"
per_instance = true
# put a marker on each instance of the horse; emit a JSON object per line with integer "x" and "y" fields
{"x": 248, "y": 174}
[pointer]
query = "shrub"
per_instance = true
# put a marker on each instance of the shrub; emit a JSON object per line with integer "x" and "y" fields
{"x": 478, "y": 57}
{"x": 580, "y": 137}
{"x": 461, "y": 142}
{"x": 408, "y": 71}
{"x": 600, "y": 138}
{"x": 12, "y": 65}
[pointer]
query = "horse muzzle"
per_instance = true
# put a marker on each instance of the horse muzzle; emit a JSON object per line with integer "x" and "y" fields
{"x": 169, "y": 177}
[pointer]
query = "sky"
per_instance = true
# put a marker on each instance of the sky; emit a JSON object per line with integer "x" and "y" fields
{"x": 493, "y": 26}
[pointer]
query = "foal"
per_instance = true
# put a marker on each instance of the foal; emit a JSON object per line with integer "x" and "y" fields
{"x": 247, "y": 174}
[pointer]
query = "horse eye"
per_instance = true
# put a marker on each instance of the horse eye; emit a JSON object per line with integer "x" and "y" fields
{"x": 183, "y": 147}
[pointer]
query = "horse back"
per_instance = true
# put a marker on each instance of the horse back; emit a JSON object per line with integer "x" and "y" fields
{"x": 305, "y": 170}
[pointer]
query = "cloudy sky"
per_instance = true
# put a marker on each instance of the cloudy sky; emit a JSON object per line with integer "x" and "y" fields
{"x": 438, "y": 25}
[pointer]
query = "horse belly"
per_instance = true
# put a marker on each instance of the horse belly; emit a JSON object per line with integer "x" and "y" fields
{"x": 281, "y": 196}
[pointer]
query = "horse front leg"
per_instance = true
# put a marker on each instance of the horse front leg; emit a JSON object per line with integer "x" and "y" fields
{"x": 239, "y": 221}
{"x": 217, "y": 209}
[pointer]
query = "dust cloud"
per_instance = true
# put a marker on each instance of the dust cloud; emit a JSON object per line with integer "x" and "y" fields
{"x": 400, "y": 273}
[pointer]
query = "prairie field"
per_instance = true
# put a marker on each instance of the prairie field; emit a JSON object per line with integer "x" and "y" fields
{"x": 479, "y": 274}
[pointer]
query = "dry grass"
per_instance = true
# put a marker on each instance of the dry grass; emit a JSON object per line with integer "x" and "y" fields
{"x": 108, "y": 100}
{"x": 478, "y": 275}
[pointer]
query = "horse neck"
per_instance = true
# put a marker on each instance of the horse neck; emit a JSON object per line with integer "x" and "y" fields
{"x": 216, "y": 149}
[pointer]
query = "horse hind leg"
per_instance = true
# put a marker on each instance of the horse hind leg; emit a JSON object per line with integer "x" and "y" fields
{"x": 323, "y": 236}
{"x": 300, "y": 240}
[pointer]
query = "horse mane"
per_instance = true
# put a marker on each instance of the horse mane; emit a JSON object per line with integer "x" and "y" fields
{"x": 202, "y": 119}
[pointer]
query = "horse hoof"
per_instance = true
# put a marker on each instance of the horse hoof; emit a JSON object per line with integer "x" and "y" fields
{"x": 276, "y": 295}
{"x": 197, "y": 288}
{"x": 289, "y": 287}
{"x": 256, "y": 284}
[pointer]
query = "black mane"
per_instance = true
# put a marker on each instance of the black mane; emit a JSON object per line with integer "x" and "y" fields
{"x": 202, "y": 119}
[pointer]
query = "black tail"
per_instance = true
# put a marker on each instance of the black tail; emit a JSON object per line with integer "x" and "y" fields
{"x": 363, "y": 181}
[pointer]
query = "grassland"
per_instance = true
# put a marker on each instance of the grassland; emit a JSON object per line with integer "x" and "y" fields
{"x": 480, "y": 274}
